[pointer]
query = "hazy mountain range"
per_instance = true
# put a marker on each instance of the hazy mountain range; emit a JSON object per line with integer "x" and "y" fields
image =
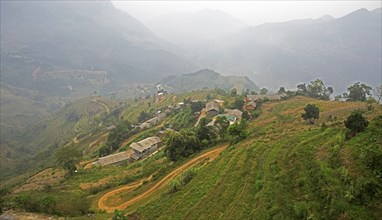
{"x": 53, "y": 52}
{"x": 339, "y": 51}
{"x": 193, "y": 30}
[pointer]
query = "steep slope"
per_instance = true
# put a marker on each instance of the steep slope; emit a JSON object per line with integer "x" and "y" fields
{"x": 206, "y": 79}
{"x": 81, "y": 35}
{"x": 191, "y": 30}
{"x": 32, "y": 145}
{"x": 284, "y": 170}
{"x": 339, "y": 51}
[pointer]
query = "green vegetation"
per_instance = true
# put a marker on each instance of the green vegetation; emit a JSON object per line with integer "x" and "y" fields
{"x": 311, "y": 112}
{"x": 294, "y": 171}
{"x": 68, "y": 158}
{"x": 356, "y": 122}
{"x": 276, "y": 167}
{"x": 357, "y": 92}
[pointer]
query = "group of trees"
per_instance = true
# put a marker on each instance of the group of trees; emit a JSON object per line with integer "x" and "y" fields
{"x": 121, "y": 132}
{"x": 317, "y": 89}
{"x": 189, "y": 141}
{"x": 357, "y": 92}
{"x": 46, "y": 204}
{"x": 356, "y": 122}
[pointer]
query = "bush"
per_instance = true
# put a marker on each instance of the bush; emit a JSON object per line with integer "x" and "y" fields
{"x": 173, "y": 186}
{"x": 356, "y": 122}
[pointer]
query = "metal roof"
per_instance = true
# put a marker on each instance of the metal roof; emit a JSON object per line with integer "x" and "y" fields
{"x": 114, "y": 158}
{"x": 145, "y": 144}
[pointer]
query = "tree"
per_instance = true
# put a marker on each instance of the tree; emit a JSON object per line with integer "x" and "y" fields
{"x": 317, "y": 89}
{"x": 245, "y": 93}
{"x": 311, "y": 112}
{"x": 233, "y": 92}
{"x": 68, "y": 157}
{"x": 245, "y": 116}
{"x": 356, "y": 122}
{"x": 281, "y": 91}
{"x": 378, "y": 93}
{"x": 181, "y": 144}
{"x": 263, "y": 91}
{"x": 196, "y": 106}
{"x": 238, "y": 103}
{"x": 237, "y": 132}
{"x": 338, "y": 98}
{"x": 301, "y": 89}
{"x": 222, "y": 123}
{"x": 358, "y": 92}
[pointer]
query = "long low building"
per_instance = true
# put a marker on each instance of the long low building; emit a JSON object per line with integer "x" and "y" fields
{"x": 113, "y": 158}
{"x": 144, "y": 147}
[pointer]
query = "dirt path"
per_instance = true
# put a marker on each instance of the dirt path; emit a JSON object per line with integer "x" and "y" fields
{"x": 202, "y": 115}
{"x": 101, "y": 203}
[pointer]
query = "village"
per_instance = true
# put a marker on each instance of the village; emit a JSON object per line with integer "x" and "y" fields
{"x": 212, "y": 110}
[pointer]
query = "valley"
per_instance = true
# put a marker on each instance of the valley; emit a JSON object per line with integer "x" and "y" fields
{"x": 189, "y": 114}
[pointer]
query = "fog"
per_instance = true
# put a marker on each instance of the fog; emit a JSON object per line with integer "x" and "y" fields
{"x": 252, "y": 12}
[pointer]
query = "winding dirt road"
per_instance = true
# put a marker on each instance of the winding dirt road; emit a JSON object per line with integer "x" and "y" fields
{"x": 101, "y": 202}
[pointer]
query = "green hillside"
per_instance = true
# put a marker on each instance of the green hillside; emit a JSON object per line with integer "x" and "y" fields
{"x": 285, "y": 168}
{"x": 36, "y": 143}
{"x": 284, "y": 171}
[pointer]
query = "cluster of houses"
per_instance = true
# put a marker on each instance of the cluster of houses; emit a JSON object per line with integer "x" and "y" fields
{"x": 149, "y": 145}
{"x": 213, "y": 110}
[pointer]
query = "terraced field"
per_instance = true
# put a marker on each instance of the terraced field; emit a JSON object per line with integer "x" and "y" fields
{"x": 286, "y": 170}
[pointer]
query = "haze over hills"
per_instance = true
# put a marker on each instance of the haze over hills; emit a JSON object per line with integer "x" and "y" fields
{"x": 191, "y": 30}
{"x": 82, "y": 35}
{"x": 85, "y": 133}
{"x": 339, "y": 51}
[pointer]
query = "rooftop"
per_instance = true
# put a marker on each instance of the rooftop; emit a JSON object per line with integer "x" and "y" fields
{"x": 212, "y": 106}
{"x": 145, "y": 144}
{"x": 114, "y": 158}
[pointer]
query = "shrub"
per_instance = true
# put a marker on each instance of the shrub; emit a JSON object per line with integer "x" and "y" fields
{"x": 173, "y": 186}
{"x": 356, "y": 122}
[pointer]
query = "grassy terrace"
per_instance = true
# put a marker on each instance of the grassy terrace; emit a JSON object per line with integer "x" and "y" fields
{"x": 286, "y": 170}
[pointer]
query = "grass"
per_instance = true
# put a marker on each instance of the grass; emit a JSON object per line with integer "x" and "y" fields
{"x": 296, "y": 172}
{"x": 285, "y": 169}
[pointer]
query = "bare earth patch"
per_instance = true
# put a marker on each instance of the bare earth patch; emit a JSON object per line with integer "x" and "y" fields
{"x": 47, "y": 177}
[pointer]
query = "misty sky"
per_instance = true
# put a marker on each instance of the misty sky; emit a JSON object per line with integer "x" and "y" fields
{"x": 251, "y": 12}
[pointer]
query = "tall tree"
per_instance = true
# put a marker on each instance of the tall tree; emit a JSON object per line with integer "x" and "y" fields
{"x": 68, "y": 157}
{"x": 358, "y": 92}
{"x": 317, "y": 89}
{"x": 301, "y": 89}
{"x": 281, "y": 91}
{"x": 263, "y": 91}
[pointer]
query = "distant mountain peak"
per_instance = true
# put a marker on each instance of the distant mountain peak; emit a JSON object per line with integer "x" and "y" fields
{"x": 325, "y": 18}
